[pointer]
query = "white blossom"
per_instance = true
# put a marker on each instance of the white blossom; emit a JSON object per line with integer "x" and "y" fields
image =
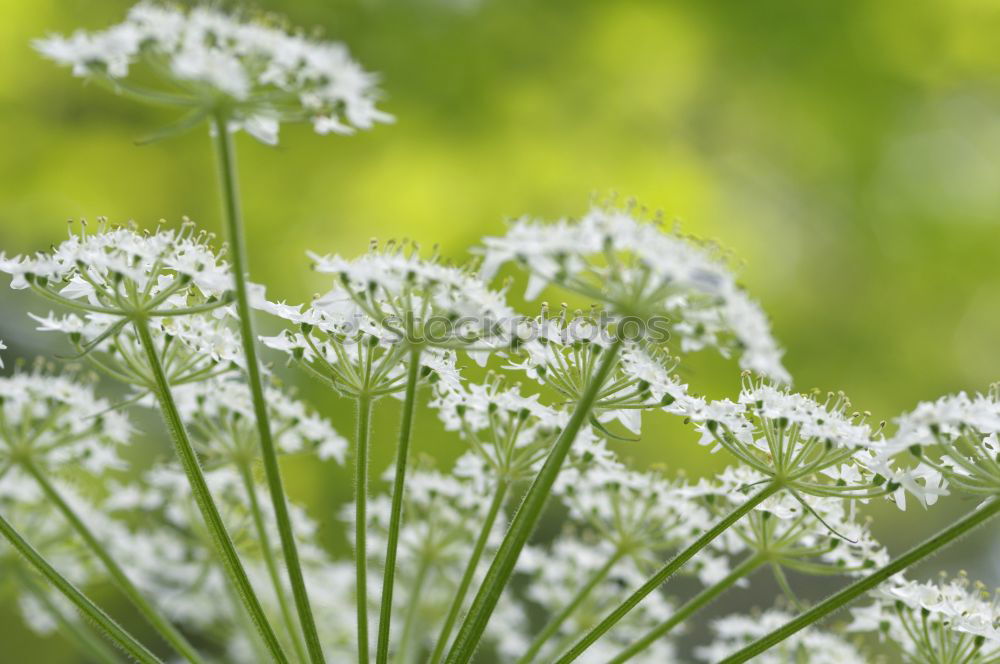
{"x": 260, "y": 73}
{"x": 611, "y": 256}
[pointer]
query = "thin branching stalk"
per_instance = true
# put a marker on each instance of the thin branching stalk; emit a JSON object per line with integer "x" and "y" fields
{"x": 526, "y": 518}
{"x": 203, "y": 497}
{"x": 860, "y": 587}
{"x": 166, "y": 630}
{"x": 667, "y": 571}
{"x": 470, "y": 571}
{"x": 272, "y": 472}
{"x": 395, "y": 516}
{"x": 363, "y": 437}
{"x": 118, "y": 636}
{"x": 270, "y": 563}
{"x": 692, "y": 606}
{"x": 558, "y": 619}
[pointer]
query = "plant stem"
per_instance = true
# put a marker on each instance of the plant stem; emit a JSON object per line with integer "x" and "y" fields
{"x": 363, "y": 437}
{"x": 526, "y": 518}
{"x": 858, "y": 588}
{"x": 78, "y": 633}
{"x": 411, "y": 608}
{"x": 470, "y": 570}
{"x": 691, "y": 607}
{"x": 166, "y": 630}
{"x": 557, "y": 620}
{"x": 272, "y": 472}
{"x": 402, "y": 452}
{"x": 203, "y": 498}
{"x": 270, "y": 563}
{"x": 667, "y": 571}
{"x": 91, "y": 611}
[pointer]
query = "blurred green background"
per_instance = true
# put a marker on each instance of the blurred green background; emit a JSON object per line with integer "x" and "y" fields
{"x": 847, "y": 151}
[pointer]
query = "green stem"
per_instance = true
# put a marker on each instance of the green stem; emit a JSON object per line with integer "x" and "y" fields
{"x": 91, "y": 611}
{"x": 272, "y": 472}
{"x": 270, "y": 563}
{"x": 526, "y": 518}
{"x": 557, "y": 620}
{"x": 411, "y": 608}
{"x": 361, "y": 521}
{"x": 166, "y": 630}
{"x": 77, "y": 633}
{"x": 860, "y": 587}
{"x": 395, "y": 516}
{"x": 470, "y": 570}
{"x": 693, "y": 605}
{"x": 667, "y": 571}
{"x": 203, "y": 498}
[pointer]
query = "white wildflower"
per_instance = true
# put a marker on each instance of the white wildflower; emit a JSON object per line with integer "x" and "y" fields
{"x": 261, "y": 75}
{"x": 637, "y": 269}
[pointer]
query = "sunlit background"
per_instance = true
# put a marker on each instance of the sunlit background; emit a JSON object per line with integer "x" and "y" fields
{"x": 848, "y": 153}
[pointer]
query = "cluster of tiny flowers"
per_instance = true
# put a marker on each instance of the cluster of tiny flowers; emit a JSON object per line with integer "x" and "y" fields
{"x": 220, "y": 413}
{"x": 934, "y": 622}
{"x": 565, "y": 352}
{"x": 50, "y": 423}
{"x": 263, "y": 73}
{"x": 957, "y": 436}
{"x": 110, "y": 267}
{"x": 350, "y": 352}
{"x": 415, "y": 299}
{"x": 812, "y": 535}
{"x": 814, "y": 447}
{"x": 636, "y": 268}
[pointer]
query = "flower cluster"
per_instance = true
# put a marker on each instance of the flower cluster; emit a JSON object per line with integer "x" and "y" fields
{"x": 262, "y": 73}
{"x": 956, "y": 437}
{"x": 934, "y": 622}
{"x": 51, "y": 423}
{"x": 417, "y": 300}
{"x": 641, "y": 271}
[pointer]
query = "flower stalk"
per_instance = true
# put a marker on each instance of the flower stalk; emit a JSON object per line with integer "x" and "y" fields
{"x": 362, "y": 439}
{"x": 668, "y": 570}
{"x": 396, "y": 515}
{"x": 234, "y": 226}
{"x": 122, "y": 639}
{"x": 692, "y": 606}
{"x": 499, "y": 494}
{"x": 203, "y": 497}
{"x": 527, "y": 516}
{"x": 862, "y": 586}
{"x": 166, "y": 630}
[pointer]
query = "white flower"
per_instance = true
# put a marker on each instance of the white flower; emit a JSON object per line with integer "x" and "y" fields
{"x": 417, "y": 300}
{"x": 56, "y": 423}
{"x": 956, "y": 439}
{"x": 3, "y": 346}
{"x": 810, "y": 446}
{"x": 931, "y": 621}
{"x": 261, "y": 74}
{"x": 91, "y": 268}
{"x": 612, "y": 257}
{"x": 221, "y": 416}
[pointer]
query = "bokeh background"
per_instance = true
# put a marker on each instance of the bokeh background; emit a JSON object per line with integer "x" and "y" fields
{"x": 847, "y": 152}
